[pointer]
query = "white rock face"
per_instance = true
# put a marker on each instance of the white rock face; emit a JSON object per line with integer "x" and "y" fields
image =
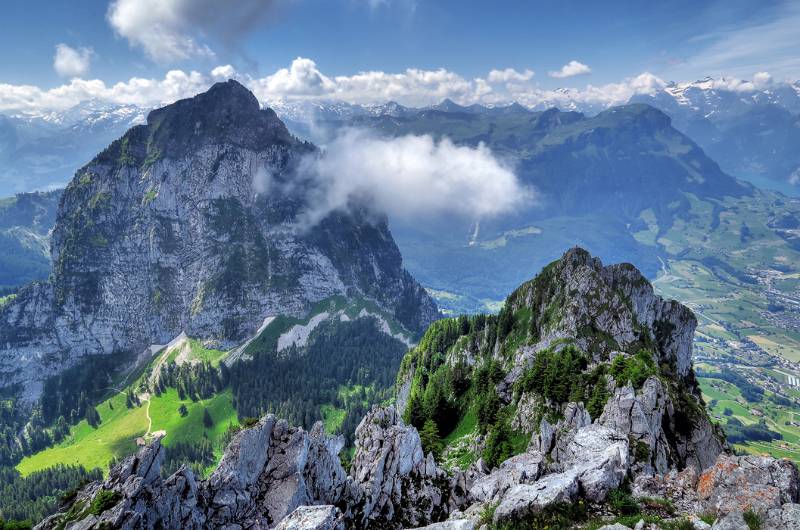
{"x": 299, "y": 333}
{"x": 313, "y": 518}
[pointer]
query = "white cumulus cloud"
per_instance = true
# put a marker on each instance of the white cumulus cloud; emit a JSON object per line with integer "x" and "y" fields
{"x": 71, "y": 62}
{"x": 175, "y": 30}
{"x": 509, "y": 75}
{"x": 571, "y": 69}
{"x": 411, "y": 177}
{"x": 303, "y": 81}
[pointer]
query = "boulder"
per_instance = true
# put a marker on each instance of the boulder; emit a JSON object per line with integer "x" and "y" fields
{"x": 524, "y": 499}
{"x": 325, "y": 517}
{"x": 787, "y": 517}
{"x": 456, "y": 524}
{"x": 741, "y": 483}
{"x": 731, "y": 521}
{"x": 598, "y": 456}
{"x": 520, "y": 469}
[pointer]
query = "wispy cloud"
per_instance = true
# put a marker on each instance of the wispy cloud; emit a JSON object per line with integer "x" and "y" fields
{"x": 769, "y": 42}
{"x": 571, "y": 69}
{"x": 508, "y": 75}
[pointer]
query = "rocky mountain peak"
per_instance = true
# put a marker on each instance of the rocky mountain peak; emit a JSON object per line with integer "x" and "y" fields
{"x": 605, "y": 309}
{"x": 228, "y": 113}
{"x": 172, "y": 229}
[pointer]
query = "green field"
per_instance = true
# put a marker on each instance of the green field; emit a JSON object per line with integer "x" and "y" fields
{"x": 120, "y": 426}
{"x": 721, "y": 395}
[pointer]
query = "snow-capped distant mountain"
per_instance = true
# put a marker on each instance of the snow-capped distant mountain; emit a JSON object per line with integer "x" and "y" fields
{"x": 751, "y": 132}
{"x": 42, "y": 151}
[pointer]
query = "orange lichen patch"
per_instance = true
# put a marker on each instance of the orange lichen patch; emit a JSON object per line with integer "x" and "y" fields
{"x": 706, "y": 482}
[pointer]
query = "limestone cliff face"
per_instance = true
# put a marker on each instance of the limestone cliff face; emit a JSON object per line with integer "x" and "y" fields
{"x": 190, "y": 223}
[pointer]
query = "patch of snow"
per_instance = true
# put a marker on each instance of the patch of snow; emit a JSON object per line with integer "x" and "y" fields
{"x": 237, "y": 352}
{"x": 298, "y": 334}
{"x": 384, "y": 327}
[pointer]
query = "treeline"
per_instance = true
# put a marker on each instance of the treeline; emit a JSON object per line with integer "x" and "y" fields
{"x": 296, "y": 382}
{"x": 192, "y": 380}
{"x": 67, "y": 398}
{"x": 197, "y": 455}
{"x": 38, "y": 495}
{"x": 736, "y": 432}
{"x": 752, "y": 393}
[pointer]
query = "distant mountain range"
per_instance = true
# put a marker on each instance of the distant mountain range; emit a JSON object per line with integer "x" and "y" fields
{"x": 43, "y": 151}
{"x": 752, "y": 132}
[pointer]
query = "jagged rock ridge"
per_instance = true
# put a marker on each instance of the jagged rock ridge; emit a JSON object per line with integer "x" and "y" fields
{"x": 188, "y": 224}
{"x": 650, "y": 431}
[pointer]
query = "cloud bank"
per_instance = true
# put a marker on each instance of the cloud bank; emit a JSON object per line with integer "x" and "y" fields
{"x": 411, "y": 177}
{"x": 69, "y": 62}
{"x": 303, "y": 82}
{"x": 571, "y": 69}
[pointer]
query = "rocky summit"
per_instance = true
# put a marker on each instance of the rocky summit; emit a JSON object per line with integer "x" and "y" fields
{"x": 190, "y": 224}
{"x": 575, "y": 407}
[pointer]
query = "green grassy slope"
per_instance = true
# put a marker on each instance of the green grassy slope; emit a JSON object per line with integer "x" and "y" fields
{"x": 120, "y": 427}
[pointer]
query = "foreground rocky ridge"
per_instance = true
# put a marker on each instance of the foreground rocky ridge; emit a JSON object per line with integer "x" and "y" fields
{"x": 649, "y": 438}
{"x": 189, "y": 224}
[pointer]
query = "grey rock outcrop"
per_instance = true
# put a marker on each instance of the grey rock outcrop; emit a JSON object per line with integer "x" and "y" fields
{"x": 647, "y": 416}
{"x": 267, "y": 472}
{"x": 740, "y": 483}
{"x": 324, "y": 517}
{"x": 398, "y": 483}
{"x": 273, "y": 474}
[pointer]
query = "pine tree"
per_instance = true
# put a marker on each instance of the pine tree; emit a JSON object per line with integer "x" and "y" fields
{"x": 183, "y": 411}
{"x": 92, "y": 417}
{"x": 429, "y": 436}
{"x": 207, "y": 420}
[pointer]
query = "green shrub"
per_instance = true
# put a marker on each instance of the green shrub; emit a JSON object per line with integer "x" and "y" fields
{"x": 249, "y": 422}
{"x": 560, "y": 516}
{"x": 487, "y": 513}
{"x": 752, "y": 519}
{"x": 634, "y": 368}
{"x": 104, "y": 500}
{"x": 499, "y": 446}
{"x": 622, "y": 502}
{"x": 554, "y": 374}
{"x": 431, "y": 441}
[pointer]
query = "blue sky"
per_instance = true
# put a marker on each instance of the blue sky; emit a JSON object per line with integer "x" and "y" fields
{"x": 609, "y": 41}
